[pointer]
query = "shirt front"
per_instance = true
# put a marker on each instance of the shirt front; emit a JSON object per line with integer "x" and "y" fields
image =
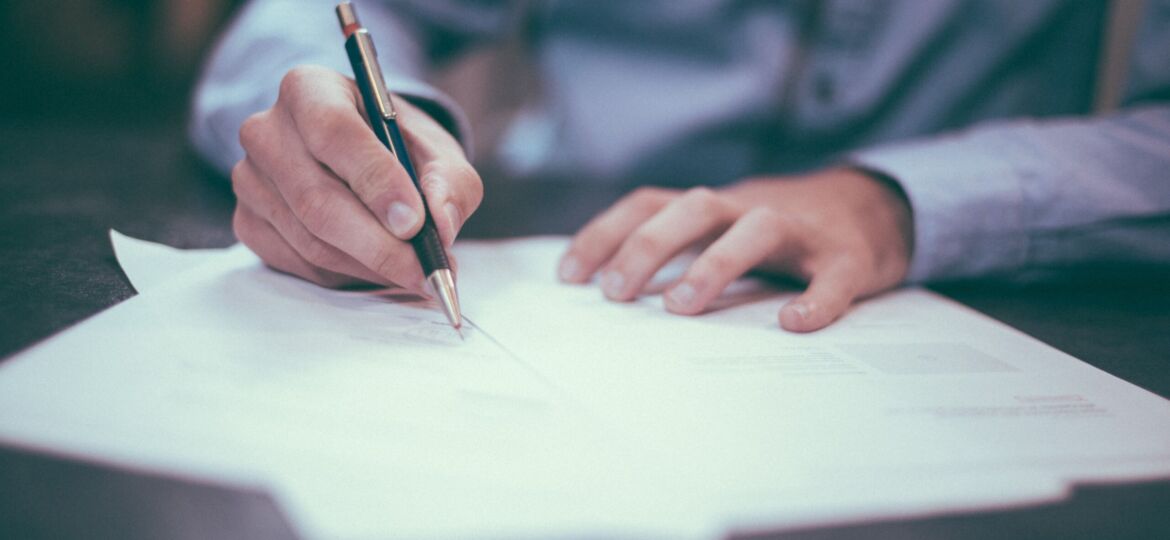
{"x": 708, "y": 92}
{"x": 977, "y": 108}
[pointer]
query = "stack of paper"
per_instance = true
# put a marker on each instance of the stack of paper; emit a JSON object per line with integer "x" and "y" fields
{"x": 561, "y": 414}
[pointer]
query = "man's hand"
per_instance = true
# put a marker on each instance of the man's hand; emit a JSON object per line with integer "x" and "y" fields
{"x": 843, "y": 232}
{"x": 321, "y": 198}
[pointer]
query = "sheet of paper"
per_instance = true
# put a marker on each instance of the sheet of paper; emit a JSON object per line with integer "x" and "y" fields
{"x": 908, "y": 388}
{"x": 563, "y": 414}
{"x": 359, "y": 411}
{"x": 148, "y": 265}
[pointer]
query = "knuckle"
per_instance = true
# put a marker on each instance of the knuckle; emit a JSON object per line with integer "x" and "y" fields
{"x": 472, "y": 184}
{"x": 714, "y": 263}
{"x": 372, "y": 176}
{"x": 701, "y": 199}
{"x": 325, "y": 123}
{"x": 646, "y": 197}
{"x": 237, "y": 171}
{"x": 237, "y": 175}
{"x": 295, "y": 80}
{"x": 315, "y": 207}
{"x": 642, "y": 242}
{"x": 244, "y": 225}
{"x": 317, "y": 253}
{"x": 252, "y": 131}
{"x": 240, "y": 226}
{"x": 434, "y": 186}
{"x": 766, "y": 219}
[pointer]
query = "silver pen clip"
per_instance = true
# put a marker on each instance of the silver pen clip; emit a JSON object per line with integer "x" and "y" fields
{"x": 347, "y": 16}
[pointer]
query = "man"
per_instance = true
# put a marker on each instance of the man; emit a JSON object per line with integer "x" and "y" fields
{"x": 853, "y": 144}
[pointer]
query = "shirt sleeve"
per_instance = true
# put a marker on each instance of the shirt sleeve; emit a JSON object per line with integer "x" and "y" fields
{"x": 269, "y": 37}
{"x": 1026, "y": 198}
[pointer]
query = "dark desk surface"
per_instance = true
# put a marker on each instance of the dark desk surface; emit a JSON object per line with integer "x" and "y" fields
{"x": 64, "y": 186}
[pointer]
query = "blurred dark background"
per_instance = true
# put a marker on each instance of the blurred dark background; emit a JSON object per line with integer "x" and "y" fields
{"x": 133, "y": 64}
{"x": 121, "y": 61}
{"x": 93, "y": 104}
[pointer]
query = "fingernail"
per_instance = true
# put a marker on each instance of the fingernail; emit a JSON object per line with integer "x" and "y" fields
{"x": 682, "y": 295}
{"x": 569, "y": 268}
{"x": 612, "y": 284}
{"x": 401, "y": 218}
{"x": 794, "y": 315}
{"x": 454, "y": 218}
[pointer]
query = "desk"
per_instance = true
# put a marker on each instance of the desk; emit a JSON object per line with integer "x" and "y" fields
{"x": 63, "y": 186}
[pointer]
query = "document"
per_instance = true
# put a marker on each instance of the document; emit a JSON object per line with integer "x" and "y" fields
{"x": 562, "y": 414}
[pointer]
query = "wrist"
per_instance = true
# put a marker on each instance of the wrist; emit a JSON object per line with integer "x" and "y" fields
{"x": 883, "y": 204}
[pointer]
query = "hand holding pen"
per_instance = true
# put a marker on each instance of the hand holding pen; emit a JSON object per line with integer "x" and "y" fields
{"x": 383, "y": 117}
{"x": 320, "y": 197}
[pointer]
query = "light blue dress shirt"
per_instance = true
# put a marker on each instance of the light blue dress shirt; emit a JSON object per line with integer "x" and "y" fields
{"x": 978, "y": 108}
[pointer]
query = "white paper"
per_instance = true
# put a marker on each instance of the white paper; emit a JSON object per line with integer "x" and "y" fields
{"x": 148, "y": 265}
{"x": 565, "y": 415}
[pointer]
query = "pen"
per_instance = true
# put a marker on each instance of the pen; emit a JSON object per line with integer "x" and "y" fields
{"x": 384, "y": 121}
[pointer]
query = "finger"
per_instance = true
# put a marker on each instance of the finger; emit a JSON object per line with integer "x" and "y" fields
{"x": 320, "y": 201}
{"x": 595, "y": 243}
{"x": 759, "y": 235}
{"x": 255, "y": 191}
{"x": 830, "y": 292}
{"x": 697, "y": 214}
{"x": 266, "y": 242}
{"x": 453, "y": 192}
{"x": 453, "y": 189}
{"x": 325, "y": 110}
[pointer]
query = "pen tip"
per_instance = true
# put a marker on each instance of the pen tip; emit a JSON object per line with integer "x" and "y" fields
{"x": 443, "y": 285}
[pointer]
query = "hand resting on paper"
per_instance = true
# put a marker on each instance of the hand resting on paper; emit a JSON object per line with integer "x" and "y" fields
{"x": 845, "y": 233}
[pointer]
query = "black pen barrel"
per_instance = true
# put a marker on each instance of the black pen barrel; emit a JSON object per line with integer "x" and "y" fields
{"x": 427, "y": 244}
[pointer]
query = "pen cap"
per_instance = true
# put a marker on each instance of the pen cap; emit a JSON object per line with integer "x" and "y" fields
{"x": 363, "y": 57}
{"x": 347, "y": 16}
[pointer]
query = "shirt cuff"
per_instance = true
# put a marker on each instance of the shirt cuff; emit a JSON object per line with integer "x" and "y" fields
{"x": 967, "y": 202}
